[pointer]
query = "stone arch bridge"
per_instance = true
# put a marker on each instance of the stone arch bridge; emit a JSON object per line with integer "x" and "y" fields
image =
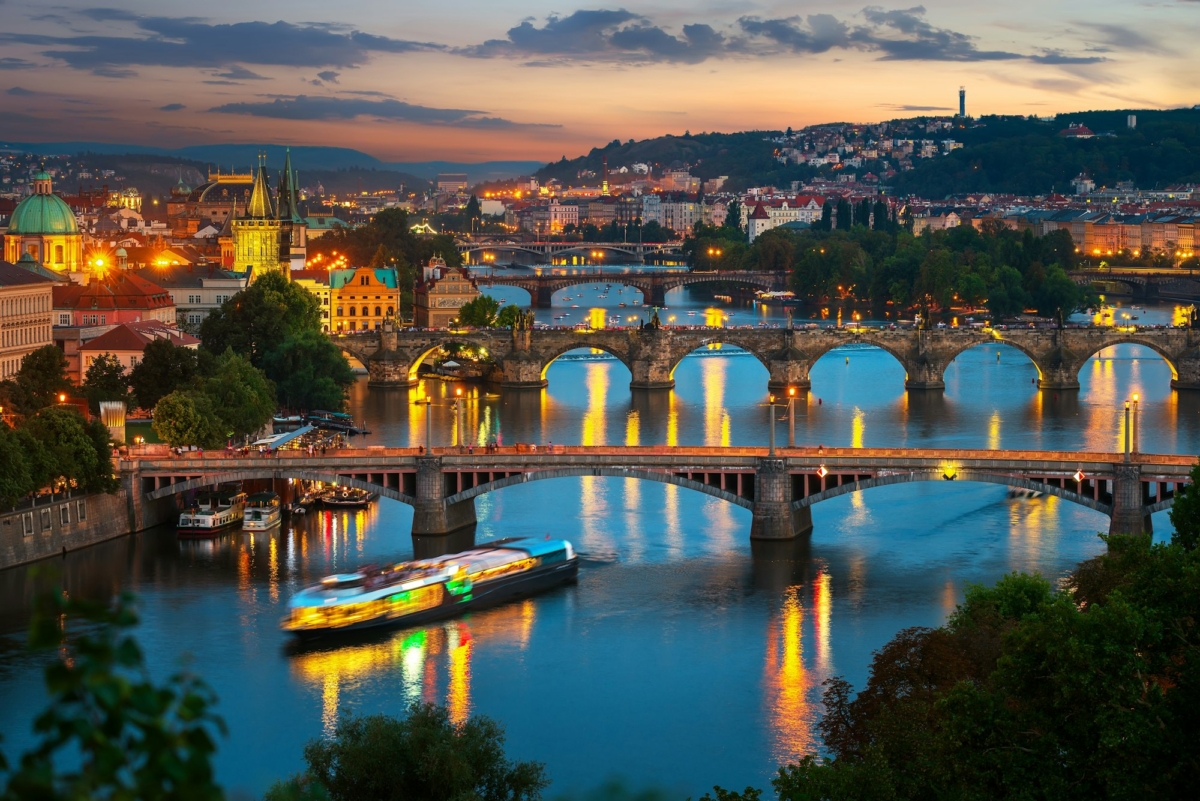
{"x": 522, "y": 357}
{"x": 545, "y": 252}
{"x": 778, "y": 488}
{"x": 654, "y": 286}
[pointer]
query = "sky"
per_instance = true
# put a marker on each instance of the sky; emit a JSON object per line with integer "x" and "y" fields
{"x": 474, "y": 80}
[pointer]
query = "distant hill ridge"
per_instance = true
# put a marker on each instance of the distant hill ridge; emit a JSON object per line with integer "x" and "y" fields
{"x": 304, "y": 157}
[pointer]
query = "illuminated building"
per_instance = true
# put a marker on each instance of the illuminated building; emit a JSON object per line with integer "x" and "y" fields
{"x": 128, "y": 342}
{"x": 257, "y": 233}
{"x": 189, "y": 210}
{"x": 440, "y": 293}
{"x": 25, "y": 308}
{"x": 362, "y": 298}
{"x": 44, "y": 227}
{"x": 195, "y": 290}
{"x": 112, "y": 299}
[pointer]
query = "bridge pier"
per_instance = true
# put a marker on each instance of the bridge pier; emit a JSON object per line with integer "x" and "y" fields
{"x": 1128, "y": 507}
{"x": 1188, "y": 372}
{"x": 657, "y": 295}
{"x": 431, "y": 514}
{"x": 773, "y": 515}
{"x": 788, "y": 369}
{"x": 387, "y": 367}
{"x": 543, "y": 298}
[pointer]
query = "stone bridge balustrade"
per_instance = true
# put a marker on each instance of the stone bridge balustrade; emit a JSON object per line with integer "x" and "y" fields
{"x": 778, "y": 489}
{"x": 522, "y": 357}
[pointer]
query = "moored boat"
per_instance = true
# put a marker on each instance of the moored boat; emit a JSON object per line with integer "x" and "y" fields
{"x": 347, "y": 496}
{"x": 412, "y": 593}
{"x": 263, "y": 512}
{"x": 213, "y": 512}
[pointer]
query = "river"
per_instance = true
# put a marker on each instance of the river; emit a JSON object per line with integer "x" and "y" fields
{"x": 682, "y": 658}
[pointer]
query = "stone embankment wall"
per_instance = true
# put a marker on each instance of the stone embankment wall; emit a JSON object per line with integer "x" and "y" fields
{"x": 44, "y": 530}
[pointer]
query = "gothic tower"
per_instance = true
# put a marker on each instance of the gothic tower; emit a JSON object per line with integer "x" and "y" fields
{"x": 257, "y": 234}
{"x": 293, "y": 237}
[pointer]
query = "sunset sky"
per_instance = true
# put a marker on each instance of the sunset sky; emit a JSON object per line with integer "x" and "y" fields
{"x": 488, "y": 79}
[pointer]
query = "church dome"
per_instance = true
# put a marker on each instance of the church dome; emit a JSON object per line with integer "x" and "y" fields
{"x": 43, "y": 212}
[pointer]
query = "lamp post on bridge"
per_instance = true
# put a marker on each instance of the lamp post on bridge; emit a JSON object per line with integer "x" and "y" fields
{"x": 1127, "y": 432}
{"x": 791, "y": 417}
{"x": 428, "y": 404}
{"x": 1134, "y": 435}
{"x": 458, "y": 418}
{"x": 771, "y": 407}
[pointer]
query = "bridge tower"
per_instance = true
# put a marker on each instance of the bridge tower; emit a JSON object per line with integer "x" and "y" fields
{"x": 773, "y": 517}
{"x": 431, "y": 513}
{"x": 1128, "y": 502}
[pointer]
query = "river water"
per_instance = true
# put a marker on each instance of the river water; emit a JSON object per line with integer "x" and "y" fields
{"x": 683, "y": 658}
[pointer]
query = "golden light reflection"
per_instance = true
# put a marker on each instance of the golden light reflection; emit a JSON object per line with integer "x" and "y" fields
{"x": 412, "y": 665}
{"x": 1033, "y": 531}
{"x": 792, "y": 718}
{"x": 634, "y": 541}
{"x": 273, "y": 570}
{"x": 458, "y": 695}
{"x": 716, "y": 417}
{"x": 329, "y": 705}
{"x": 857, "y": 426}
{"x": 714, "y": 318}
{"x": 243, "y": 569}
{"x": 994, "y": 431}
{"x": 672, "y": 519}
{"x": 949, "y": 599}
{"x": 594, "y": 424}
{"x": 632, "y": 429}
{"x": 672, "y": 420}
{"x": 598, "y": 318}
{"x": 822, "y": 615}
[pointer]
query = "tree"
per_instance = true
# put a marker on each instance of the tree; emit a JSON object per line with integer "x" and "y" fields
{"x": 77, "y": 451}
{"x": 164, "y": 368}
{"x": 422, "y": 757}
{"x": 242, "y": 396}
{"x": 105, "y": 381}
{"x": 1185, "y": 512}
{"x": 843, "y": 214}
{"x": 472, "y": 210}
{"x": 258, "y": 319}
{"x": 43, "y": 375}
{"x": 109, "y": 730}
{"x": 508, "y": 317}
{"x": 15, "y": 478}
{"x": 480, "y": 312}
{"x": 186, "y": 418}
{"x": 309, "y": 372}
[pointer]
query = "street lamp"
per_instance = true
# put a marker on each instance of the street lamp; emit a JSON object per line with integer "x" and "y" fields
{"x": 1127, "y": 433}
{"x": 771, "y": 406}
{"x": 458, "y": 417}
{"x": 791, "y": 417}
{"x": 428, "y": 404}
{"x": 1134, "y": 434}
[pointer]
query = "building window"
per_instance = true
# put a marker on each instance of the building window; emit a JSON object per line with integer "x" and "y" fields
{"x": 325, "y": 301}
{"x": 193, "y": 298}
{"x": 58, "y": 254}
{"x": 339, "y": 313}
{"x": 64, "y": 319}
{"x": 133, "y": 360}
{"x": 353, "y": 311}
{"x": 353, "y": 326}
{"x": 193, "y": 319}
{"x": 64, "y": 514}
{"x": 365, "y": 280}
{"x": 81, "y": 511}
{"x": 45, "y": 521}
{"x": 377, "y": 310}
{"x": 27, "y": 524}
{"x": 391, "y": 311}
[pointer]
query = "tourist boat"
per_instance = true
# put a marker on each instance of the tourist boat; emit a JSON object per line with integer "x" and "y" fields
{"x": 263, "y": 512}
{"x": 347, "y": 496}
{"x": 334, "y": 421}
{"x": 412, "y": 593}
{"x": 213, "y": 512}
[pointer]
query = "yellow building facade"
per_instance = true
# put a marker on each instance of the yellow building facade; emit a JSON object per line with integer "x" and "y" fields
{"x": 361, "y": 299}
{"x": 44, "y": 227}
{"x": 441, "y": 293}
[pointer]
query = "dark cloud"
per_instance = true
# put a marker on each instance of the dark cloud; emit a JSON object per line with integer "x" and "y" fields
{"x": 192, "y": 42}
{"x": 20, "y": 91}
{"x": 306, "y": 107}
{"x": 240, "y": 73}
{"x": 905, "y": 35}
{"x": 328, "y": 76}
{"x": 1119, "y": 37}
{"x": 114, "y": 72}
{"x": 604, "y": 35}
{"x": 172, "y": 107}
{"x": 621, "y": 35}
{"x": 816, "y": 34}
{"x": 10, "y": 63}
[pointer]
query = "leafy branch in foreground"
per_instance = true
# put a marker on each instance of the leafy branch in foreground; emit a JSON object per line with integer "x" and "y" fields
{"x": 122, "y": 735}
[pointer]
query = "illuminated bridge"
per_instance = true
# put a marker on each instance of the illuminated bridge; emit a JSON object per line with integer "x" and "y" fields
{"x": 521, "y": 358}
{"x": 474, "y": 252}
{"x": 654, "y": 286}
{"x": 779, "y": 489}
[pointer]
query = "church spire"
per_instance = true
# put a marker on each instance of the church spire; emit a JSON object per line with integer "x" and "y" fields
{"x": 289, "y": 205}
{"x": 260, "y": 207}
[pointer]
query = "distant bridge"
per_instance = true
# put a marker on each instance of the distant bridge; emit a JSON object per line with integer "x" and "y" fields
{"x": 1146, "y": 284}
{"x": 654, "y": 286}
{"x": 778, "y": 488}
{"x": 546, "y": 252}
{"x": 522, "y": 358}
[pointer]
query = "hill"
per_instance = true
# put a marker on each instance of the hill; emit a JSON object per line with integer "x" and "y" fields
{"x": 304, "y": 157}
{"x": 1018, "y": 155}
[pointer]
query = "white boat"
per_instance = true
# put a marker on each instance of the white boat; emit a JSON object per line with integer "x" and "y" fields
{"x": 212, "y": 512}
{"x": 263, "y": 512}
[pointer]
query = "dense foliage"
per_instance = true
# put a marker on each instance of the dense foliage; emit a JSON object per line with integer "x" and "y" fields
{"x": 1092, "y": 691}
{"x": 421, "y": 757}
{"x": 386, "y": 241}
{"x": 230, "y": 400}
{"x": 109, "y": 730}
{"x": 49, "y": 444}
{"x": 884, "y": 267}
{"x": 276, "y": 324}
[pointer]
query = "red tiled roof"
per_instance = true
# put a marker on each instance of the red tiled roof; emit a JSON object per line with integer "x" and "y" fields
{"x": 124, "y": 290}
{"x": 136, "y": 336}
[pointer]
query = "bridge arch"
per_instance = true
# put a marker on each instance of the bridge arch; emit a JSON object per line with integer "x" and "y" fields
{"x": 1132, "y": 339}
{"x": 815, "y": 355}
{"x": 550, "y": 356}
{"x": 254, "y": 475}
{"x": 691, "y": 279}
{"x": 606, "y": 472}
{"x": 962, "y": 475}
{"x": 416, "y": 363}
{"x": 719, "y": 337}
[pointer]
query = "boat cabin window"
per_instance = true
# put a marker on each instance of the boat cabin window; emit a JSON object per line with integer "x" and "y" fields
{"x": 553, "y": 557}
{"x": 340, "y": 583}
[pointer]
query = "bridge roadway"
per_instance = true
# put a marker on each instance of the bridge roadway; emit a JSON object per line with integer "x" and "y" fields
{"x": 654, "y": 286}
{"x": 778, "y": 489}
{"x": 521, "y": 358}
{"x": 547, "y": 251}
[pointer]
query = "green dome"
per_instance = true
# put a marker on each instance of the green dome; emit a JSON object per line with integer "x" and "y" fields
{"x": 43, "y": 214}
